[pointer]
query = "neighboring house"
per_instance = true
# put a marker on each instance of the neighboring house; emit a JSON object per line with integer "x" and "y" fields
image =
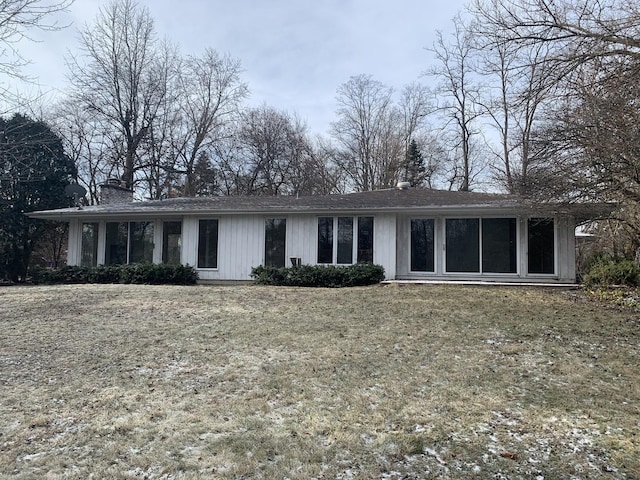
{"x": 413, "y": 233}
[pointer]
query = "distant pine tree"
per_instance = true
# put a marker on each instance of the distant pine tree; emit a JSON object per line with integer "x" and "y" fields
{"x": 415, "y": 170}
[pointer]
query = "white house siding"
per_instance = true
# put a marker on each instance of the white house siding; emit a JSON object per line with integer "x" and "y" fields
{"x": 189, "y": 247}
{"x": 302, "y": 238}
{"x": 241, "y": 243}
{"x": 240, "y": 246}
{"x": 384, "y": 243}
{"x": 566, "y": 249}
{"x": 75, "y": 242}
{"x": 403, "y": 242}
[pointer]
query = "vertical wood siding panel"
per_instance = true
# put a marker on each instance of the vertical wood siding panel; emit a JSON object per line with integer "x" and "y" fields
{"x": 384, "y": 243}
{"x": 403, "y": 226}
{"x": 309, "y": 238}
{"x": 74, "y": 242}
{"x": 190, "y": 241}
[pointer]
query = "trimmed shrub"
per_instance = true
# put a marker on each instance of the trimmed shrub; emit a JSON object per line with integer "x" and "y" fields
{"x": 607, "y": 270}
{"x": 149, "y": 274}
{"x": 319, "y": 275}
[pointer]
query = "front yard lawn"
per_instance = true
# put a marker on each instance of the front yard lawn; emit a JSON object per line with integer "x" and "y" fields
{"x": 383, "y": 382}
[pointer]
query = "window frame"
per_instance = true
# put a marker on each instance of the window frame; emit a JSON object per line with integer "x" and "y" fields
{"x": 107, "y": 253}
{"x": 483, "y": 244}
{"x": 435, "y": 245}
{"x": 217, "y": 256}
{"x": 144, "y": 242}
{"x": 95, "y": 242}
{"x": 481, "y": 272}
{"x": 282, "y": 221}
{"x": 164, "y": 252}
{"x": 554, "y": 220}
{"x": 335, "y": 240}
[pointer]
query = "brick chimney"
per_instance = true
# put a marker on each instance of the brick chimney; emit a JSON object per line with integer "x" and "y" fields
{"x": 115, "y": 191}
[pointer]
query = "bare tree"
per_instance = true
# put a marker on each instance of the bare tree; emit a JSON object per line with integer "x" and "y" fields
{"x": 122, "y": 76}
{"x": 369, "y": 144}
{"x": 17, "y": 17}
{"x": 415, "y": 106}
{"x": 513, "y": 102}
{"x": 87, "y": 143}
{"x": 458, "y": 93}
{"x": 578, "y": 31}
{"x": 274, "y": 155}
{"x": 211, "y": 92}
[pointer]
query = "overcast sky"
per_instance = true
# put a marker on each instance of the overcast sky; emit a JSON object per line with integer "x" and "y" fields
{"x": 294, "y": 54}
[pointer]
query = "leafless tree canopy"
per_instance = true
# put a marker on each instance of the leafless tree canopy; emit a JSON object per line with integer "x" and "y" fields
{"x": 17, "y": 19}
{"x": 579, "y": 31}
{"x": 373, "y": 132}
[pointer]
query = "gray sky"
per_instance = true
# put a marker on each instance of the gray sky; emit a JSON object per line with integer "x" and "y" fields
{"x": 294, "y": 54}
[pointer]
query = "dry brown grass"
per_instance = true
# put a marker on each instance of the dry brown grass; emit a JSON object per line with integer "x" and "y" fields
{"x": 255, "y": 382}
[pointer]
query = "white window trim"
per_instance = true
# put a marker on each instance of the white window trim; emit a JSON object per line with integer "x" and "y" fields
{"x": 205, "y": 269}
{"x": 354, "y": 238}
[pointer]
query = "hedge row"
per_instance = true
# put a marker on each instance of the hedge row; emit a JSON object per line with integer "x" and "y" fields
{"x": 149, "y": 274}
{"x": 319, "y": 275}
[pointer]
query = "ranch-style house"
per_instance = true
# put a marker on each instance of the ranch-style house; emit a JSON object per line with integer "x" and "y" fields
{"x": 413, "y": 233}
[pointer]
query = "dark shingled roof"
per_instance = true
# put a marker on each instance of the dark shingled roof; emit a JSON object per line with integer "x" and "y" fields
{"x": 390, "y": 200}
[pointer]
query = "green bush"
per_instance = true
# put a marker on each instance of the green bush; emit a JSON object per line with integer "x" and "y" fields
{"x": 149, "y": 274}
{"x": 606, "y": 270}
{"x": 319, "y": 275}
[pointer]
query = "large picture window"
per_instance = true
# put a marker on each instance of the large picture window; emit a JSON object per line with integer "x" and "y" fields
{"x": 89, "y": 250}
{"x": 325, "y": 240}
{"x": 422, "y": 245}
{"x": 208, "y": 244}
{"x": 336, "y": 239}
{"x": 141, "y": 242}
{"x": 541, "y": 239}
{"x": 463, "y": 245}
{"x": 499, "y": 245}
{"x": 345, "y": 240}
{"x": 171, "y": 242}
{"x": 487, "y": 245}
{"x": 365, "y": 239}
{"x": 129, "y": 242}
{"x": 117, "y": 234}
{"x": 275, "y": 238}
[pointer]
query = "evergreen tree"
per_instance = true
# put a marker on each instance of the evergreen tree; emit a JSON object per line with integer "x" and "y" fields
{"x": 415, "y": 171}
{"x": 33, "y": 174}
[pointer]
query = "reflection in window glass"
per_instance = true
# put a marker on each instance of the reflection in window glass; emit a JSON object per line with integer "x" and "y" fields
{"x": 365, "y": 239}
{"x": 541, "y": 245}
{"x": 422, "y": 239}
{"x": 463, "y": 245}
{"x": 171, "y": 242}
{"x": 141, "y": 242}
{"x": 499, "y": 251}
{"x": 275, "y": 242}
{"x": 89, "y": 250}
{"x": 325, "y": 240}
{"x": 208, "y": 244}
{"x": 345, "y": 240}
{"x": 116, "y": 243}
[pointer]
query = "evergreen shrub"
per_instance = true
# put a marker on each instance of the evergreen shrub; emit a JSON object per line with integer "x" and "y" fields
{"x": 607, "y": 270}
{"x": 148, "y": 274}
{"x": 319, "y": 275}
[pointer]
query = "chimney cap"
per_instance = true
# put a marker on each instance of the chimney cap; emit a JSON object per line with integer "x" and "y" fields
{"x": 403, "y": 185}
